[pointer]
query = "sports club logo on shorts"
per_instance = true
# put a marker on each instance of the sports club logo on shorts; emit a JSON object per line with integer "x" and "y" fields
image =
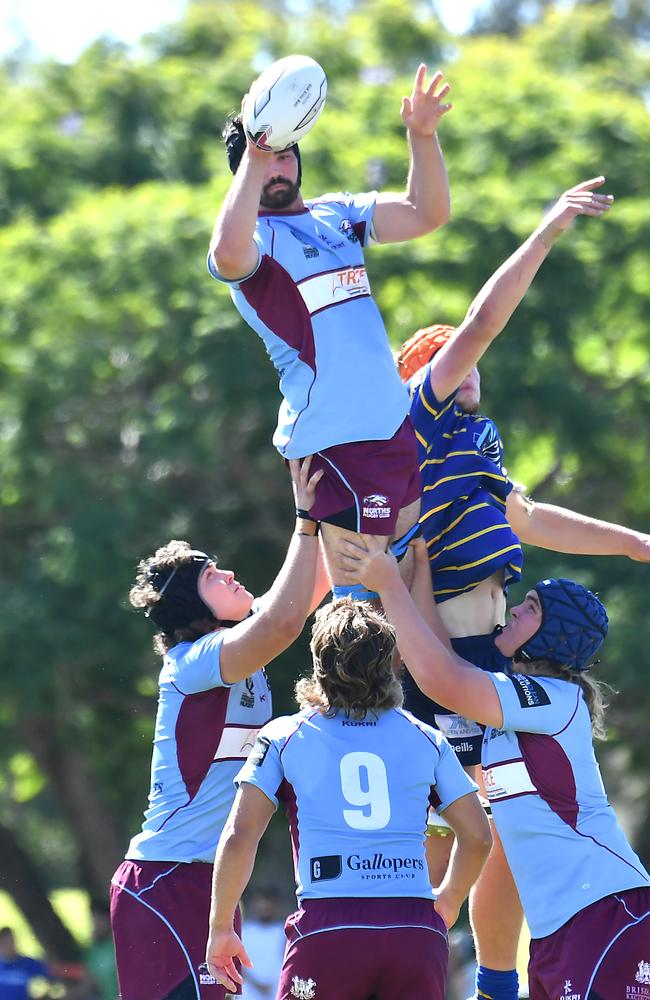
{"x": 568, "y": 992}
{"x": 643, "y": 973}
{"x": 303, "y": 989}
{"x": 205, "y": 976}
{"x": 376, "y": 505}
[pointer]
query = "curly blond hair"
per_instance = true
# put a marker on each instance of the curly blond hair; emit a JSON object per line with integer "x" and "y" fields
{"x": 143, "y": 594}
{"x": 352, "y": 649}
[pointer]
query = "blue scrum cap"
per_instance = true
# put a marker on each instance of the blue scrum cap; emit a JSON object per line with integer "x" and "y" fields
{"x": 574, "y": 625}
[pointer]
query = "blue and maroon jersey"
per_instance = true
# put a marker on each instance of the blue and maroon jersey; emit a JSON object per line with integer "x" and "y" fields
{"x": 205, "y": 729}
{"x": 309, "y": 300}
{"x": 559, "y": 833}
{"x": 464, "y": 492}
{"x": 358, "y": 795}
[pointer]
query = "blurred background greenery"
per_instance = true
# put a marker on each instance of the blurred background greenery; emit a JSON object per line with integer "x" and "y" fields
{"x": 135, "y": 406}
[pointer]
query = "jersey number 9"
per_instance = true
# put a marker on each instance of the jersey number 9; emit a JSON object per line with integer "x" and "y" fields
{"x": 364, "y": 784}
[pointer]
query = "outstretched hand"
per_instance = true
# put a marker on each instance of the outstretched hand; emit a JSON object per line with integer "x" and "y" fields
{"x": 579, "y": 200}
{"x": 223, "y": 948}
{"x": 304, "y": 485}
{"x": 422, "y": 111}
{"x": 366, "y": 560}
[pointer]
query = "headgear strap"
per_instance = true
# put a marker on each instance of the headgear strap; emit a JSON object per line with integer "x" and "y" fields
{"x": 234, "y": 137}
{"x": 180, "y": 603}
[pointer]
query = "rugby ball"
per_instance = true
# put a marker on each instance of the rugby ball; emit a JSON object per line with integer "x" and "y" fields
{"x": 284, "y": 103}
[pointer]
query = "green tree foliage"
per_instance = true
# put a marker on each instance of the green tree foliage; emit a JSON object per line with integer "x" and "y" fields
{"x": 135, "y": 406}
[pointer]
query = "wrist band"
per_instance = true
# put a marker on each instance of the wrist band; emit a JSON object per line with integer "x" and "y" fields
{"x": 304, "y": 515}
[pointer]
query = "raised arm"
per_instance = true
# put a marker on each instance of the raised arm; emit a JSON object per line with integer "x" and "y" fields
{"x": 256, "y": 641}
{"x": 502, "y": 293}
{"x": 233, "y": 866}
{"x": 425, "y": 205}
{"x": 563, "y": 530}
{"x": 438, "y": 672}
{"x": 233, "y": 249}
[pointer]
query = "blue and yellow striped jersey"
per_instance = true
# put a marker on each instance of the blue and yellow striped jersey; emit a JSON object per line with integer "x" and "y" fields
{"x": 464, "y": 490}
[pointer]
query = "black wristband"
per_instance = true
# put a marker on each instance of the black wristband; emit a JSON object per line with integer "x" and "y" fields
{"x": 304, "y": 515}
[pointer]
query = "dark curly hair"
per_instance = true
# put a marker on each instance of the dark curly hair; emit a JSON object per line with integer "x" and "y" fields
{"x": 352, "y": 647}
{"x": 143, "y": 595}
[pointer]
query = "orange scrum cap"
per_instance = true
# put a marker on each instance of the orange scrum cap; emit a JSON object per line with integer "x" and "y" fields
{"x": 420, "y": 348}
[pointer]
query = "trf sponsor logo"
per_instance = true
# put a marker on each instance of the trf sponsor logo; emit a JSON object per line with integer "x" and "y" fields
{"x": 303, "y": 989}
{"x": 350, "y": 282}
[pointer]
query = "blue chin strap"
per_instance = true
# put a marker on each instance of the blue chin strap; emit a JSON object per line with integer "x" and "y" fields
{"x": 356, "y": 591}
{"x": 574, "y": 625}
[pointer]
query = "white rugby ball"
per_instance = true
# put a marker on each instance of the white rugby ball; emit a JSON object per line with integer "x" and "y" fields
{"x": 284, "y": 102}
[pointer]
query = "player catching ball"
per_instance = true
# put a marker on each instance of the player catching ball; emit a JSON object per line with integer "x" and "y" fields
{"x": 297, "y": 276}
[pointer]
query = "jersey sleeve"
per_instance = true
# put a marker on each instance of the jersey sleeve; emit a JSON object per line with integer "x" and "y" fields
{"x": 199, "y": 669}
{"x": 264, "y": 765}
{"x": 427, "y": 411}
{"x": 262, "y": 251}
{"x": 451, "y": 781}
{"x": 535, "y": 704}
{"x": 360, "y": 210}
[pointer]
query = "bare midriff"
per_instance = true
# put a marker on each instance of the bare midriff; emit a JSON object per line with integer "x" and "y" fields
{"x": 476, "y": 612}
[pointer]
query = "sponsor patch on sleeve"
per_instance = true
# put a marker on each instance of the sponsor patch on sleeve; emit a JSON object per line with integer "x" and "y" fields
{"x": 531, "y": 694}
{"x": 259, "y": 751}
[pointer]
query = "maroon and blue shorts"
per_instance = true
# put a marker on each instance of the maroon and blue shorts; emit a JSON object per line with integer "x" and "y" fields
{"x": 601, "y": 953}
{"x": 159, "y": 915}
{"x": 365, "y": 949}
{"x": 365, "y": 484}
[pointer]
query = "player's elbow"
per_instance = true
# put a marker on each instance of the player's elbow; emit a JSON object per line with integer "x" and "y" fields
{"x": 477, "y": 836}
{"x": 287, "y": 625}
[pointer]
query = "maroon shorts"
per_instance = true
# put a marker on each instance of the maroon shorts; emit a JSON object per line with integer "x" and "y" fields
{"x": 602, "y": 953}
{"x": 366, "y": 483}
{"x": 159, "y": 915}
{"x": 358, "y": 949}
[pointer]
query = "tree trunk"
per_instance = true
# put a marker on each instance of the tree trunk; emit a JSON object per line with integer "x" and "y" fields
{"x": 20, "y": 879}
{"x": 92, "y": 826}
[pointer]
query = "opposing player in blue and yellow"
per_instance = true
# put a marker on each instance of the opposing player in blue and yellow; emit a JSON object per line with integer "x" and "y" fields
{"x": 474, "y": 520}
{"x": 357, "y": 775}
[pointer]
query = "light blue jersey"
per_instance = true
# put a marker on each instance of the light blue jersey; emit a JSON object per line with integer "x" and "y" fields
{"x": 559, "y": 832}
{"x": 309, "y": 300}
{"x": 357, "y": 794}
{"x": 205, "y": 728}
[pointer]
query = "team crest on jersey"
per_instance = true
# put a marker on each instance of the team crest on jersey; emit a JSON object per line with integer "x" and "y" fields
{"x": 487, "y": 442}
{"x": 347, "y": 229}
{"x": 303, "y": 989}
{"x": 376, "y": 505}
{"x": 248, "y": 698}
{"x": 643, "y": 973}
{"x": 205, "y": 976}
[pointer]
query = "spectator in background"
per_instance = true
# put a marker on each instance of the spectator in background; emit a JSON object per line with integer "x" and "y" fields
{"x": 264, "y": 940}
{"x": 17, "y": 972}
